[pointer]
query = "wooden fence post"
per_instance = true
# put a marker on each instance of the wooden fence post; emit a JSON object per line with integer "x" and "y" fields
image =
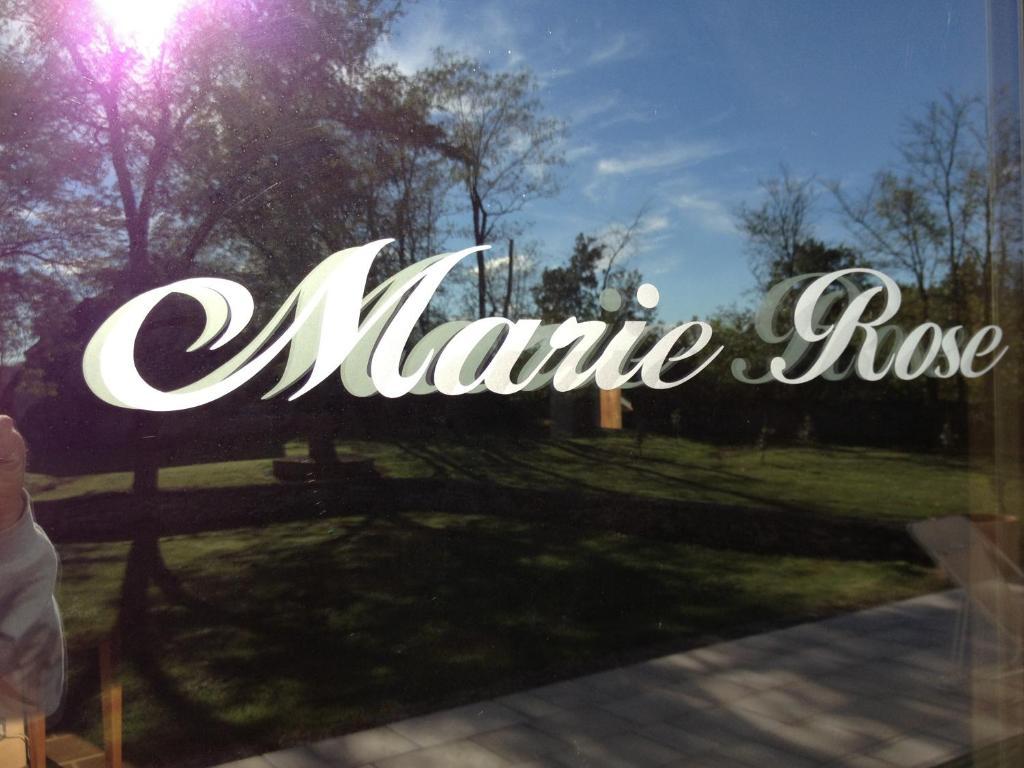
{"x": 111, "y": 696}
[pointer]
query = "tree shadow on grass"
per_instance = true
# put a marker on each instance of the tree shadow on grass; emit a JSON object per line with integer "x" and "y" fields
{"x": 506, "y": 459}
{"x": 318, "y": 610}
{"x": 325, "y": 635}
{"x": 503, "y": 456}
{"x": 755, "y": 529}
{"x": 601, "y": 455}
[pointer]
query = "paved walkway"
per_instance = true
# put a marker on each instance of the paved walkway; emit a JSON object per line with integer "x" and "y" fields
{"x": 873, "y": 689}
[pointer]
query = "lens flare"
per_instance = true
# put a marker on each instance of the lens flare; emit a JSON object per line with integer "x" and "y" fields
{"x": 141, "y": 24}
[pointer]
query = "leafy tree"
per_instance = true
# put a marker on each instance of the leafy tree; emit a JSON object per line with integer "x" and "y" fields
{"x": 574, "y": 290}
{"x": 47, "y": 237}
{"x": 238, "y": 99}
{"x": 388, "y": 179}
{"x": 782, "y": 245}
{"x": 811, "y": 256}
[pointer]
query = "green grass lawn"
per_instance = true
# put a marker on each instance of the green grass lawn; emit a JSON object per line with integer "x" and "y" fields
{"x": 292, "y": 631}
{"x": 298, "y": 631}
{"x": 855, "y": 482}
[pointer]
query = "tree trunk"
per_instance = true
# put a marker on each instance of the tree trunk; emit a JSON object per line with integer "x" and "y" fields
{"x": 508, "y": 287}
{"x": 479, "y": 236}
{"x": 321, "y": 442}
{"x": 144, "y": 551}
{"x": 7, "y": 394}
{"x": 145, "y": 454}
{"x": 481, "y": 285}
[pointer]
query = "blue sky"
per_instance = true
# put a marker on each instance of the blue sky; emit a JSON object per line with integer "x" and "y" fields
{"x": 685, "y": 106}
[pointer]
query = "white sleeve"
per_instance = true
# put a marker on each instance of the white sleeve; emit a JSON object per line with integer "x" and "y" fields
{"x": 31, "y": 642}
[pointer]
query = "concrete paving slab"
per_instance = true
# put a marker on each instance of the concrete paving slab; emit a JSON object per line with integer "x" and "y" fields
{"x": 916, "y": 750}
{"x": 358, "y": 749}
{"x": 249, "y": 762}
{"x": 580, "y": 724}
{"x": 529, "y": 704}
{"x": 518, "y": 743}
{"x": 657, "y": 705}
{"x": 683, "y": 740}
{"x": 456, "y": 754}
{"x": 627, "y": 750}
{"x": 572, "y": 694}
{"x": 753, "y": 754}
{"x": 458, "y": 723}
{"x": 874, "y": 689}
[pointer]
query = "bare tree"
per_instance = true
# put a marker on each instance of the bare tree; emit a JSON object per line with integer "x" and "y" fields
{"x": 894, "y": 225}
{"x": 928, "y": 217}
{"x": 619, "y": 242}
{"x": 508, "y": 151}
{"x": 776, "y": 228}
{"x": 944, "y": 158}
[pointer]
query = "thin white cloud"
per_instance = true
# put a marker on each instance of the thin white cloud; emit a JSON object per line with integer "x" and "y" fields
{"x": 600, "y": 105}
{"x": 622, "y": 46}
{"x": 606, "y": 110}
{"x": 492, "y": 263}
{"x": 596, "y": 191}
{"x": 707, "y": 212}
{"x": 718, "y": 118}
{"x": 501, "y": 36}
{"x": 490, "y": 37}
{"x": 412, "y": 46}
{"x": 579, "y": 152}
{"x": 627, "y": 116}
{"x": 654, "y": 223}
{"x": 684, "y": 153}
{"x": 549, "y": 75}
{"x": 663, "y": 264}
{"x": 651, "y": 234}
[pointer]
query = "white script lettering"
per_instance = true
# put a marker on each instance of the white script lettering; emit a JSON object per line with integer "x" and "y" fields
{"x": 334, "y": 327}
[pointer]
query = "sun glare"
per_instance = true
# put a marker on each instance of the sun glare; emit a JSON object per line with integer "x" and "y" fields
{"x": 142, "y": 24}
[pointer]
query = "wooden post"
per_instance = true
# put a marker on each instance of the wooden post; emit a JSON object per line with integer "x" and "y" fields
{"x": 35, "y": 727}
{"x": 112, "y": 701}
{"x": 611, "y": 408}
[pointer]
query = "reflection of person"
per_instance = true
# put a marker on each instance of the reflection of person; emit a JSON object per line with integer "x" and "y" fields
{"x": 31, "y": 643}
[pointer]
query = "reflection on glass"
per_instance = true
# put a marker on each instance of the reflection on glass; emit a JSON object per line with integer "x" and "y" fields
{"x": 717, "y": 570}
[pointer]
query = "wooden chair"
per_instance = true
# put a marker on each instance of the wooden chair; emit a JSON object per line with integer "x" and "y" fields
{"x": 31, "y": 733}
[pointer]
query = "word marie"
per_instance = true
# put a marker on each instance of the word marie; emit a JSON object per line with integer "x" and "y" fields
{"x": 335, "y": 328}
{"x": 331, "y": 325}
